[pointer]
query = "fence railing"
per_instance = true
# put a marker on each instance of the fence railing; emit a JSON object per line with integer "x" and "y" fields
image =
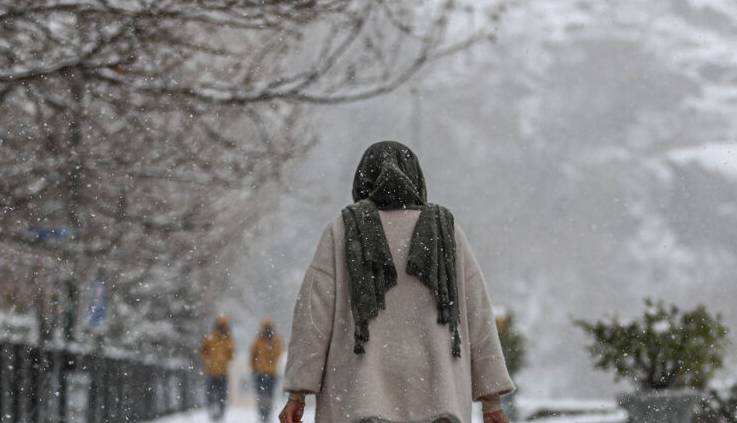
{"x": 57, "y": 386}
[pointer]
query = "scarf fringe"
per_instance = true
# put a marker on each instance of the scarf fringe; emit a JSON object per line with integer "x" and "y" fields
{"x": 455, "y": 348}
{"x": 361, "y": 337}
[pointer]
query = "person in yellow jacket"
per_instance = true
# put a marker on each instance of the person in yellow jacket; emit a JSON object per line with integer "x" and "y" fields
{"x": 216, "y": 353}
{"x": 265, "y": 353}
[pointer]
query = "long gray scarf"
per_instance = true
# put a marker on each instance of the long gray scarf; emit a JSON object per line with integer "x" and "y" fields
{"x": 389, "y": 177}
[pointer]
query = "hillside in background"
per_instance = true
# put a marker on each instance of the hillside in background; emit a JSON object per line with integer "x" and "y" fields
{"x": 590, "y": 154}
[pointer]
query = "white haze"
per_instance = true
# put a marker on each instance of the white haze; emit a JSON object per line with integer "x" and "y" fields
{"x": 590, "y": 154}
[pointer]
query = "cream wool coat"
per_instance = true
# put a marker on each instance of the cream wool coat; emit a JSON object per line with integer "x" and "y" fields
{"x": 407, "y": 373}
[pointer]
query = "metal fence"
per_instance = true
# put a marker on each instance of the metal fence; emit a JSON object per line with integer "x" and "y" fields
{"x": 57, "y": 386}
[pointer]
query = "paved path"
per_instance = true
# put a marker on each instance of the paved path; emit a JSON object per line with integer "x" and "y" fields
{"x": 234, "y": 415}
{"x": 238, "y": 415}
{"x": 248, "y": 415}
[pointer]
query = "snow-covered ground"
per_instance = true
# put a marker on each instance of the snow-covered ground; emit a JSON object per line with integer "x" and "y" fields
{"x": 575, "y": 411}
{"x": 246, "y": 415}
{"x": 243, "y": 414}
{"x": 233, "y": 415}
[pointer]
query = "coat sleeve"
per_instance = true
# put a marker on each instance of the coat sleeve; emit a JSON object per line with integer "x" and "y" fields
{"x": 230, "y": 349}
{"x": 488, "y": 368}
{"x": 252, "y": 356}
{"x": 312, "y": 322}
{"x": 278, "y": 348}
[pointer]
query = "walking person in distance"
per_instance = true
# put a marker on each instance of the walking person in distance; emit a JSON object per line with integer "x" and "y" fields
{"x": 265, "y": 354}
{"x": 216, "y": 352}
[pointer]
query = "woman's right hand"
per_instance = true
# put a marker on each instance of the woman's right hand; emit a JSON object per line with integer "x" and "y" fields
{"x": 293, "y": 411}
{"x": 495, "y": 417}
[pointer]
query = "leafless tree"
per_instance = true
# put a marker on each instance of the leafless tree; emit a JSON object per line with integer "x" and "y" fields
{"x": 126, "y": 122}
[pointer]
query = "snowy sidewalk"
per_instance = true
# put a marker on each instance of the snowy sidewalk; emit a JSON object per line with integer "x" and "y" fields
{"x": 233, "y": 415}
{"x": 248, "y": 415}
{"x": 242, "y": 415}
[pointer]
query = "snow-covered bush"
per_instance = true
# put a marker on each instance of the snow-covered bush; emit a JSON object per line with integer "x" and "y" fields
{"x": 665, "y": 348}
